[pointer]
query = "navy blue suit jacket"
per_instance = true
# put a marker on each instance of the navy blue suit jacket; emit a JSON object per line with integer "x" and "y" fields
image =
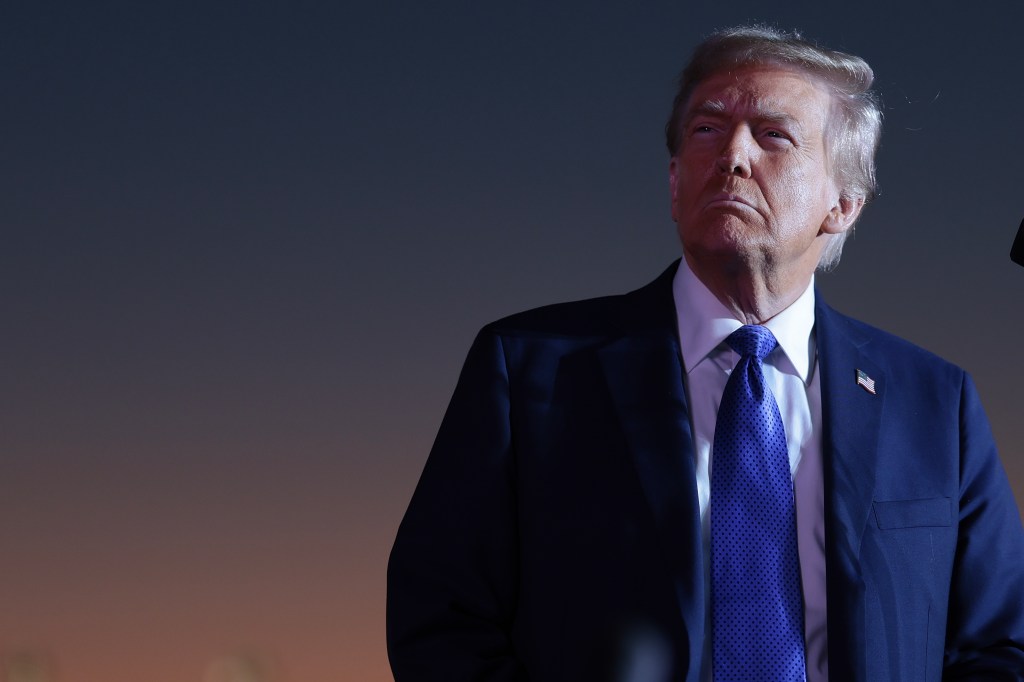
{"x": 556, "y": 521}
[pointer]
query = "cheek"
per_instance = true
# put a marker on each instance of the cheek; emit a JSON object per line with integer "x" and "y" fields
{"x": 796, "y": 191}
{"x": 689, "y": 184}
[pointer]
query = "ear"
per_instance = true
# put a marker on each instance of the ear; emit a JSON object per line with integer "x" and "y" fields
{"x": 843, "y": 215}
{"x": 673, "y": 184}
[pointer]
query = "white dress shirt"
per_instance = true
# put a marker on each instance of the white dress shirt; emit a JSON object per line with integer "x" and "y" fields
{"x": 791, "y": 373}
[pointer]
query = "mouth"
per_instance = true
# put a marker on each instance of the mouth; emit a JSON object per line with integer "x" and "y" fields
{"x": 728, "y": 199}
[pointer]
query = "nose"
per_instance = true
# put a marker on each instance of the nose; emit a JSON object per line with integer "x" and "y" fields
{"x": 734, "y": 158}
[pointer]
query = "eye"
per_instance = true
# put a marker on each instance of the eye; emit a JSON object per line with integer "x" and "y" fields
{"x": 776, "y": 137}
{"x": 702, "y": 129}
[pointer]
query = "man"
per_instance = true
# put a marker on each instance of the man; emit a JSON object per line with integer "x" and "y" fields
{"x": 603, "y": 501}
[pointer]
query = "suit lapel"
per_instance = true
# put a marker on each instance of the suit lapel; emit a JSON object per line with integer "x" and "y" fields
{"x": 643, "y": 371}
{"x": 644, "y": 376}
{"x": 851, "y": 416}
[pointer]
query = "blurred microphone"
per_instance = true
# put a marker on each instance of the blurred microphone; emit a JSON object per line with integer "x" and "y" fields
{"x": 644, "y": 655}
{"x": 1017, "y": 252}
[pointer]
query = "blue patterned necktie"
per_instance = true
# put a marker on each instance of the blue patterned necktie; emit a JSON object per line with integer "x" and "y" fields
{"x": 757, "y": 610}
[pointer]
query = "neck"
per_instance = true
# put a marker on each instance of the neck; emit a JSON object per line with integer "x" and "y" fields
{"x": 753, "y": 295}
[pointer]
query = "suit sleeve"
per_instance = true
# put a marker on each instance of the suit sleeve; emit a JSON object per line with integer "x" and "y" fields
{"x": 985, "y": 626}
{"x": 452, "y": 576}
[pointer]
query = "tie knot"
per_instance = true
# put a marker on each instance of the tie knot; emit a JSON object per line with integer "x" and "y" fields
{"x": 752, "y": 340}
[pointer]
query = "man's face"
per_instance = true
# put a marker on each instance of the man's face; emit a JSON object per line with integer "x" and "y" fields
{"x": 751, "y": 183}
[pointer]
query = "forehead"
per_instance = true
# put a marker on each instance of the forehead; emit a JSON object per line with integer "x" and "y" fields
{"x": 762, "y": 90}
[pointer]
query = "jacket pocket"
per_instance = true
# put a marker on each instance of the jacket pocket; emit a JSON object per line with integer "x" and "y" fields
{"x": 933, "y": 511}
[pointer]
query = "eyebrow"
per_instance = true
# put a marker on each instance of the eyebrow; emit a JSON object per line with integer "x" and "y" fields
{"x": 713, "y": 107}
{"x": 763, "y": 111}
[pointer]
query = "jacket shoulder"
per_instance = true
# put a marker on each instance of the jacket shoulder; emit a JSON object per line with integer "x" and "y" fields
{"x": 649, "y": 309}
{"x": 896, "y": 351}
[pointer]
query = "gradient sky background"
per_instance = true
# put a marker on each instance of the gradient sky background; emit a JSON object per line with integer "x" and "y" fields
{"x": 247, "y": 245}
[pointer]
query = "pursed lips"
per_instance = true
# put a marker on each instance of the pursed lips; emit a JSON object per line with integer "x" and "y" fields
{"x": 728, "y": 199}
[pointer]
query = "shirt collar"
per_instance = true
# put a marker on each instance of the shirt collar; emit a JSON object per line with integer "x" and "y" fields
{"x": 704, "y": 323}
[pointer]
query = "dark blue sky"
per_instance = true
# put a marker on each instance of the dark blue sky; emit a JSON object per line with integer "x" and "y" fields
{"x": 246, "y": 246}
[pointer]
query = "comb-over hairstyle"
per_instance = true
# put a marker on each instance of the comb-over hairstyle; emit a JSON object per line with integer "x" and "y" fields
{"x": 853, "y": 129}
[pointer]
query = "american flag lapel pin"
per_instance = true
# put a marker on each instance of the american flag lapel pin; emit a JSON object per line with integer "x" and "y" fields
{"x": 866, "y": 382}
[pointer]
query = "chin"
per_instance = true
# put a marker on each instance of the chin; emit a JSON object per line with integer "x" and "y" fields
{"x": 726, "y": 255}
{"x": 727, "y": 241}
